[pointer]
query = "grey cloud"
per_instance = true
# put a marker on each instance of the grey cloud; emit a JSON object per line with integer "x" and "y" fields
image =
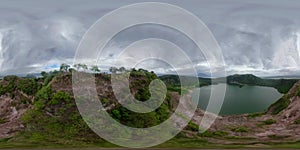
{"x": 258, "y": 36}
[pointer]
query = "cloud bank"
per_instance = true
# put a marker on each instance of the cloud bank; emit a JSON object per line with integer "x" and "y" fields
{"x": 260, "y": 36}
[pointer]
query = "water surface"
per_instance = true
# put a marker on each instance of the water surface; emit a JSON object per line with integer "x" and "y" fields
{"x": 239, "y": 100}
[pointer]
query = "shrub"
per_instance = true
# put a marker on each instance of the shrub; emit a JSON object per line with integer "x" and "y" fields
{"x": 240, "y": 129}
{"x": 297, "y": 121}
{"x": 42, "y": 96}
{"x": 2, "y": 121}
{"x": 279, "y": 105}
{"x": 213, "y": 134}
{"x": 269, "y": 121}
{"x": 254, "y": 115}
{"x": 220, "y": 133}
{"x": 60, "y": 97}
{"x": 277, "y": 137}
{"x": 192, "y": 126}
{"x": 28, "y": 86}
{"x": 105, "y": 101}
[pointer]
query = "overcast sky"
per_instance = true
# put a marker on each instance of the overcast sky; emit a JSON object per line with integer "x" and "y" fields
{"x": 256, "y": 36}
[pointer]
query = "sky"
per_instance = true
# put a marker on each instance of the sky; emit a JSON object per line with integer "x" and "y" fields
{"x": 261, "y": 37}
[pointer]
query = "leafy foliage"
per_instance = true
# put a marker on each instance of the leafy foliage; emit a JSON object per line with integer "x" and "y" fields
{"x": 55, "y": 117}
{"x": 2, "y": 120}
{"x": 64, "y": 67}
{"x": 213, "y": 134}
{"x": 254, "y": 115}
{"x": 192, "y": 126}
{"x": 95, "y": 69}
{"x": 279, "y": 105}
{"x": 297, "y": 121}
{"x": 269, "y": 121}
{"x": 240, "y": 129}
{"x": 11, "y": 84}
{"x": 28, "y": 86}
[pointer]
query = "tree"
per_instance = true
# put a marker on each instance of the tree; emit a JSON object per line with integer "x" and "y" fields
{"x": 64, "y": 67}
{"x": 71, "y": 69}
{"x": 122, "y": 69}
{"x": 113, "y": 69}
{"x": 44, "y": 74}
{"x": 81, "y": 66}
{"x": 95, "y": 69}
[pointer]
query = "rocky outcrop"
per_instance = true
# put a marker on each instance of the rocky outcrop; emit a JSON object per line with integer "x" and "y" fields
{"x": 10, "y": 113}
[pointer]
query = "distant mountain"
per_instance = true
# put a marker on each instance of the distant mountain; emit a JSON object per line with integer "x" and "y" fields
{"x": 203, "y": 75}
{"x": 283, "y": 77}
{"x": 29, "y": 75}
{"x": 282, "y": 85}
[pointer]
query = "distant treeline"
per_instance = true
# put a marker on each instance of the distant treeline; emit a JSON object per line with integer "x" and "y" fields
{"x": 282, "y": 85}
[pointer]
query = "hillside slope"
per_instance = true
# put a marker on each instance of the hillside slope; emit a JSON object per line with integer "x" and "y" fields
{"x": 50, "y": 115}
{"x": 279, "y": 124}
{"x": 43, "y": 111}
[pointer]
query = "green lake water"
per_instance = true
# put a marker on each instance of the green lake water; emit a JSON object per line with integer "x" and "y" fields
{"x": 237, "y": 100}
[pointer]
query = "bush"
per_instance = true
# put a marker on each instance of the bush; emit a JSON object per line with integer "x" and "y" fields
{"x": 240, "y": 129}
{"x": 192, "y": 126}
{"x": 297, "y": 121}
{"x": 42, "y": 97}
{"x": 213, "y": 134}
{"x": 277, "y": 137}
{"x": 254, "y": 115}
{"x": 279, "y": 105}
{"x": 220, "y": 133}
{"x": 269, "y": 121}
{"x": 28, "y": 86}
{"x": 2, "y": 121}
{"x": 60, "y": 97}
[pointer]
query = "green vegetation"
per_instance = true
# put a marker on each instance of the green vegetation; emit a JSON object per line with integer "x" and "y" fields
{"x": 254, "y": 115}
{"x": 28, "y": 86}
{"x": 192, "y": 126}
{"x": 140, "y": 80}
{"x": 282, "y": 85}
{"x": 55, "y": 119}
{"x": 2, "y": 120}
{"x": 240, "y": 129}
{"x": 266, "y": 122}
{"x": 276, "y": 137}
{"x": 213, "y": 134}
{"x": 239, "y": 138}
{"x": 297, "y": 93}
{"x": 12, "y": 84}
{"x": 95, "y": 69}
{"x": 269, "y": 121}
{"x": 297, "y": 121}
{"x": 279, "y": 105}
{"x": 175, "y": 81}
